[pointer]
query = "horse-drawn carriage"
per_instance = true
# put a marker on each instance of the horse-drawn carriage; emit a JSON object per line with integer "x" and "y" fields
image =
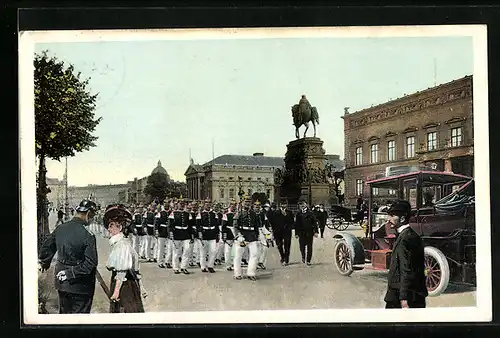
{"x": 340, "y": 218}
{"x": 443, "y": 214}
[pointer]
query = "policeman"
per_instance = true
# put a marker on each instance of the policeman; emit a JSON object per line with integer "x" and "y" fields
{"x": 162, "y": 231}
{"x": 247, "y": 235}
{"x": 75, "y": 270}
{"x": 149, "y": 224}
{"x": 182, "y": 235}
{"x": 208, "y": 231}
{"x": 228, "y": 235}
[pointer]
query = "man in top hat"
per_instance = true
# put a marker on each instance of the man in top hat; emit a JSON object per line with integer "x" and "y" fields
{"x": 406, "y": 287}
{"x": 76, "y": 265}
{"x": 246, "y": 235}
{"x": 283, "y": 222}
{"x": 228, "y": 235}
{"x": 208, "y": 231}
{"x": 306, "y": 228}
{"x": 182, "y": 236}
{"x": 161, "y": 226}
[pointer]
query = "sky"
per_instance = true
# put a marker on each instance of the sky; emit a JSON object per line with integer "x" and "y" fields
{"x": 162, "y": 100}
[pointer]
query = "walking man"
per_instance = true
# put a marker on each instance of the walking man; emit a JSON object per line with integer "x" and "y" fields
{"x": 161, "y": 228}
{"x": 60, "y": 215}
{"x": 75, "y": 270}
{"x": 306, "y": 228}
{"x": 321, "y": 215}
{"x": 182, "y": 235}
{"x": 228, "y": 236}
{"x": 149, "y": 225}
{"x": 208, "y": 232}
{"x": 283, "y": 222}
{"x": 246, "y": 235}
{"x": 137, "y": 231}
{"x": 265, "y": 235}
{"x": 406, "y": 286}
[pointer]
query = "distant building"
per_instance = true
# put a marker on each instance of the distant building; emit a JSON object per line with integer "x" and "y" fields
{"x": 102, "y": 194}
{"x": 56, "y": 196}
{"x": 433, "y": 127}
{"x": 221, "y": 179}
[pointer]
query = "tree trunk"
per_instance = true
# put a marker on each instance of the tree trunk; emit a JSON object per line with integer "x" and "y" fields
{"x": 41, "y": 205}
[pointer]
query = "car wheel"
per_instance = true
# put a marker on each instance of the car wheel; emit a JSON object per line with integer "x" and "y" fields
{"x": 343, "y": 259}
{"x": 437, "y": 271}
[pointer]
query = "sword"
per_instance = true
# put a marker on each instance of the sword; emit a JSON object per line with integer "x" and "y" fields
{"x": 103, "y": 284}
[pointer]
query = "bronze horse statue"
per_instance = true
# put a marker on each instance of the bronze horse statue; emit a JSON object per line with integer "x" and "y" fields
{"x": 302, "y": 115}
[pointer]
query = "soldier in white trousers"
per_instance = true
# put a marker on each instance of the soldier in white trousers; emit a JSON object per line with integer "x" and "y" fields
{"x": 161, "y": 227}
{"x": 246, "y": 235}
{"x": 137, "y": 230}
{"x": 228, "y": 236}
{"x": 149, "y": 223}
{"x": 265, "y": 234}
{"x": 182, "y": 233}
{"x": 208, "y": 232}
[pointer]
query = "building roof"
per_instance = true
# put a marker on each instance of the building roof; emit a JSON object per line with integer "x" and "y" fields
{"x": 336, "y": 162}
{"x": 53, "y": 181}
{"x": 159, "y": 169}
{"x": 247, "y": 160}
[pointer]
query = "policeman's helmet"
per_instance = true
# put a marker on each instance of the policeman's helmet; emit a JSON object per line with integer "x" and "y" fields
{"x": 116, "y": 212}
{"x": 400, "y": 207}
{"x": 86, "y": 205}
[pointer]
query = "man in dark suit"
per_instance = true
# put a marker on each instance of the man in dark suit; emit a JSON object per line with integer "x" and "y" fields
{"x": 321, "y": 215}
{"x": 282, "y": 231}
{"x": 406, "y": 281}
{"x": 75, "y": 270}
{"x": 306, "y": 228}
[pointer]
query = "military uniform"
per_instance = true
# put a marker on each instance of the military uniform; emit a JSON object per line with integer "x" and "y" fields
{"x": 149, "y": 224}
{"x": 182, "y": 235}
{"x": 265, "y": 237}
{"x": 137, "y": 232}
{"x": 76, "y": 265}
{"x": 247, "y": 232}
{"x": 208, "y": 231}
{"x": 162, "y": 231}
{"x": 228, "y": 237}
{"x": 220, "y": 244}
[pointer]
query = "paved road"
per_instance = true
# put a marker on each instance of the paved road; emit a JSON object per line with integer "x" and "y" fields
{"x": 296, "y": 286}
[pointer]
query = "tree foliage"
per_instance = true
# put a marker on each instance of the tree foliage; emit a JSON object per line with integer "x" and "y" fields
{"x": 259, "y": 196}
{"x": 64, "y": 109}
{"x": 159, "y": 187}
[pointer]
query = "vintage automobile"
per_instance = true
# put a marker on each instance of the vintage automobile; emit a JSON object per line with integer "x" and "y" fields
{"x": 443, "y": 214}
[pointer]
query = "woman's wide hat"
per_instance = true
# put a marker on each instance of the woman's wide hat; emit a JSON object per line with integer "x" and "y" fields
{"x": 116, "y": 212}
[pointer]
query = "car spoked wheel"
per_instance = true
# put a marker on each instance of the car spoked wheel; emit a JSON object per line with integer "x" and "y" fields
{"x": 343, "y": 259}
{"x": 437, "y": 271}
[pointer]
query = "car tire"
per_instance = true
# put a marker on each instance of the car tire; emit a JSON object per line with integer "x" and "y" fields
{"x": 343, "y": 258}
{"x": 437, "y": 271}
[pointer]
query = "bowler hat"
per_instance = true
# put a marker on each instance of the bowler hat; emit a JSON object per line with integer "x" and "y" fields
{"x": 399, "y": 206}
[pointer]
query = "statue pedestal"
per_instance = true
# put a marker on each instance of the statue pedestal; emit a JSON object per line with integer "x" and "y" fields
{"x": 304, "y": 175}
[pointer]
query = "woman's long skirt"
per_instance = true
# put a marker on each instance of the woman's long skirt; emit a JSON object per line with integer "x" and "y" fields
{"x": 130, "y": 300}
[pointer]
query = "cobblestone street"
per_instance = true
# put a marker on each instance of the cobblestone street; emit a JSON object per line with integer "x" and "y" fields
{"x": 296, "y": 286}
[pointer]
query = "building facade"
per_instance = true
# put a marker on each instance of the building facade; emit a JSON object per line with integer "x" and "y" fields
{"x": 433, "y": 127}
{"x": 56, "y": 196}
{"x": 221, "y": 179}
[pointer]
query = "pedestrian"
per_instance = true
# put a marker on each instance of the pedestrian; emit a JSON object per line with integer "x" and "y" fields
{"x": 208, "y": 232}
{"x": 283, "y": 223}
{"x": 60, "y": 215}
{"x": 123, "y": 262}
{"x": 406, "y": 287}
{"x": 321, "y": 215}
{"x": 76, "y": 264}
{"x": 161, "y": 228}
{"x": 228, "y": 235}
{"x": 306, "y": 228}
{"x": 182, "y": 235}
{"x": 246, "y": 235}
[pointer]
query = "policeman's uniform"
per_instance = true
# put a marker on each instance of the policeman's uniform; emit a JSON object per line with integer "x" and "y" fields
{"x": 182, "y": 235}
{"x": 247, "y": 233}
{"x": 149, "y": 224}
{"x": 76, "y": 265}
{"x": 208, "y": 231}
{"x": 228, "y": 237}
{"x": 162, "y": 230}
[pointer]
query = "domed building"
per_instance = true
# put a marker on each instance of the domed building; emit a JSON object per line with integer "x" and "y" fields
{"x": 160, "y": 170}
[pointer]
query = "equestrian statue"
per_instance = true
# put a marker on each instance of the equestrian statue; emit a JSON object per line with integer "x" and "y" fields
{"x": 303, "y": 113}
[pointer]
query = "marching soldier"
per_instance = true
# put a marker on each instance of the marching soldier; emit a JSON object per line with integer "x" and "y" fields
{"x": 149, "y": 225}
{"x": 208, "y": 231}
{"x": 195, "y": 259}
{"x": 182, "y": 235}
{"x": 228, "y": 235}
{"x": 76, "y": 264}
{"x": 169, "y": 241}
{"x": 264, "y": 234}
{"x": 220, "y": 244}
{"x": 247, "y": 235}
{"x": 162, "y": 231}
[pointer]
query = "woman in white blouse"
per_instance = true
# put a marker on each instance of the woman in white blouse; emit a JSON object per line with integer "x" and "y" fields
{"x": 123, "y": 261}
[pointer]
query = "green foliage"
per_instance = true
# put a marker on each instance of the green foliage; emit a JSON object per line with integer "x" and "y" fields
{"x": 64, "y": 109}
{"x": 259, "y": 196}
{"x": 157, "y": 186}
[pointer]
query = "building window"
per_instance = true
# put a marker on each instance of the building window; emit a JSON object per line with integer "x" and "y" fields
{"x": 456, "y": 137}
{"x": 374, "y": 153}
{"x": 359, "y": 155}
{"x": 231, "y": 178}
{"x": 359, "y": 187}
{"x": 391, "y": 150}
{"x": 249, "y": 178}
{"x": 410, "y": 146}
{"x": 431, "y": 140}
{"x": 375, "y": 191}
{"x": 258, "y": 178}
{"x": 231, "y": 193}
{"x": 267, "y": 179}
{"x": 221, "y": 192}
{"x": 268, "y": 193}
{"x": 249, "y": 192}
{"x": 392, "y": 192}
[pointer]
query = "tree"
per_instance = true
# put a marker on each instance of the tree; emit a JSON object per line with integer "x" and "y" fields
{"x": 259, "y": 196}
{"x": 157, "y": 187}
{"x": 64, "y": 121}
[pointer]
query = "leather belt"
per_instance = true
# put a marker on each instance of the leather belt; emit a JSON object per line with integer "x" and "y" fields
{"x": 69, "y": 263}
